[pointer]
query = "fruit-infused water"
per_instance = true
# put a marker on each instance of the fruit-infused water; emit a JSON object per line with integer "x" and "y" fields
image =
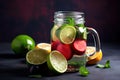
{"x": 69, "y": 35}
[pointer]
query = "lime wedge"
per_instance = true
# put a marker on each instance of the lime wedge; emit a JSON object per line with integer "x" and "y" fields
{"x": 37, "y": 56}
{"x": 57, "y": 62}
{"x": 66, "y": 34}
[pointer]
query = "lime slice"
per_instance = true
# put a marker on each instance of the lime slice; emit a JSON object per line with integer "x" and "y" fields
{"x": 53, "y": 35}
{"x": 57, "y": 62}
{"x": 37, "y": 56}
{"x": 66, "y": 34}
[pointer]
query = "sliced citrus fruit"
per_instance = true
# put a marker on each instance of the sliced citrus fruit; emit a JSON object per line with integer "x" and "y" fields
{"x": 53, "y": 35}
{"x": 57, "y": 62}
{"x": 46, "y": 46}
{"x": 95, "y": 60}
{"x": 93, "y": 57}
{"x": 90, "y": 50}
{"x": 66, "y": 34}
{"x": 37, "y": 56}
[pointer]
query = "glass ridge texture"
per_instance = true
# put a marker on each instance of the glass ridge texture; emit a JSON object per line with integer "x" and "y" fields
{"x": 60, "y": 17}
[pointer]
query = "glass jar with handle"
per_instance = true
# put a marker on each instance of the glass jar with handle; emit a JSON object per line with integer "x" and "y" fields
{"x": 69, "y": 36}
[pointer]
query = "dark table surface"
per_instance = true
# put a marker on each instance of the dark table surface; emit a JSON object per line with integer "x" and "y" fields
{"x": 13, "y": 68}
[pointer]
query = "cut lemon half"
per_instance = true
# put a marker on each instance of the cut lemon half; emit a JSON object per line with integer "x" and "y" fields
{"x": 66, "y": 34}
{"x": 45, "y": 46}
{"x": 37, "y": 56}
{"x": 57, "y": 62}
{"x": 93, "y": 56}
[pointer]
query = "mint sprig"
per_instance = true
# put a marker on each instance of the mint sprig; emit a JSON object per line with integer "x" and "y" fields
{"x": 84, "y": 71}
{"x": 106, "y": 65}
{"x": 70, "y": 21}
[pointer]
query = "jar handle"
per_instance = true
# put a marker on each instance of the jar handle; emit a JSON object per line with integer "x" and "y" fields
{"x": 96, "y": 38}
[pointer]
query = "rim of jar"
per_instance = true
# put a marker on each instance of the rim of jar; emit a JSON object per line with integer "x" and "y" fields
{"x": 63, "y": 14}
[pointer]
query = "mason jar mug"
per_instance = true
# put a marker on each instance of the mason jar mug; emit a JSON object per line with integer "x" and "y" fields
{"x": 69, "y": 36}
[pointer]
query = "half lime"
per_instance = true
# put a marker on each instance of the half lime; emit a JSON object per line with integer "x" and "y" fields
{"x": 37, "y": 56}
{"x": 57, "y": 62}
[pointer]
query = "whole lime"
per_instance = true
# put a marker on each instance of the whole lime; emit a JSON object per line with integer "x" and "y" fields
{"x": 21, "y": 44}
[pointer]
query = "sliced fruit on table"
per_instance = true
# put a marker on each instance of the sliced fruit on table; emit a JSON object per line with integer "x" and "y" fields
{"x": 57, "y": 62}
{"x": 66, "y": 34}
{"x": 37, "y": 56}
{"x": 46, "y": 46}
{"x": 21, "y": 44}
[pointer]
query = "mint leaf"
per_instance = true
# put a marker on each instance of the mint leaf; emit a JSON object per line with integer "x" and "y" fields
{"x": 83, "y": 71}
{"x": 100, "y": 66}
{"x": 70, "y": 21}
{"x": 106, "y": 65}
{"x": 80, "y": 25}
{"x": 73, "y": 63}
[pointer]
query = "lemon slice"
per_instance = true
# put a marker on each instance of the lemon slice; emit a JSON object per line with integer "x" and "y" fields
{"x": 66, "y": 34}
{"x": 93, "y": 56}
{"x": 90, "y": 50}
{"x": 57, "y": 62}
{"x": 37, "y": 56}
{"x": 45, "y": 46}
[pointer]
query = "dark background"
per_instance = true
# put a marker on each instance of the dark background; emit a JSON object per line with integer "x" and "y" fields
{"x": 35, "y": 17}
